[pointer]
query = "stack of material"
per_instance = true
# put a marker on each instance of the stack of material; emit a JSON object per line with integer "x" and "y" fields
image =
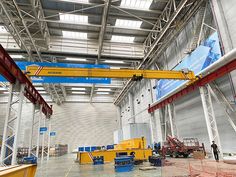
{"x": 198, "y": 155}
{"x": 52, "y": 152}
{"x": 58, "y": 150}
{"x": 22, "y": 152}
{"x": 230, "y": 159}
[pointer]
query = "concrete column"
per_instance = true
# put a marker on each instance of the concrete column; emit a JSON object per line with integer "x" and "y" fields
{"x": 31, "y": 130}
{"x": 119, "y": 119}
{"x": 131, "y": 104}
{"x": 157, "y": 117}
{"x": 222, "y": 25}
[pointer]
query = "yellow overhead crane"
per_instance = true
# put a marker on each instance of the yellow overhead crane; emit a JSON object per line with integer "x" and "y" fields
{"x": 110, "y": 73}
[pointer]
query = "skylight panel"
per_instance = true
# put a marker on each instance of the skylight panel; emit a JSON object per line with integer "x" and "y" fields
{"x": 73, "y": 18}
{"x": 113, "y": 61}
{"x": 16, "y": 56}
{"x": 71, "y": 34}
{"x": 42, "y": 92}
{"x": 76, "y": 1}
{"x": 76, "y": 59}
{"x": 122, "y": 39}
{"x": 114, "y": 67}
{"x": 103, "y": 89}
{"x": 78, "y": 89}
{"x": 136, "y": 4}
{"x": 39, "y": 88}
{"x": 103, "y": 93}
{"x": 128, "y": 23}
{"x": 75, "y": 92}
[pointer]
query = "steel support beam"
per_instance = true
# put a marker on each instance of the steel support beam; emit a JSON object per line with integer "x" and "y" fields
{"x": 171, "y": 113}
{"x": 35, "y": 120}
{"x": 43, "y": 142}
{"x": 31, "y": 131}
{"x": 42, "y": 27}
{"x": 39, "y": 14}
{"x": 49, "y": 138}
{"x": 24, "y": 34}
{"x": 103, "y": 28}
{"x": 210, "y": 117}
{"x": 27, "y": 29}
{"x": 220, "y": 98}
{"x": 12, "y": 126}
{"x": 101, "y": 37}
{"x": 38, "y": 132}
{"x": 13, "y": 28}
{"x": 91, "y": 5}
{"x": 91, "y": 93}
{"x": 13, "y": 74}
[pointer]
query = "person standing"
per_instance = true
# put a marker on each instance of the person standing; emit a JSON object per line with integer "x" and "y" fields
{"x": 215, "y": 149}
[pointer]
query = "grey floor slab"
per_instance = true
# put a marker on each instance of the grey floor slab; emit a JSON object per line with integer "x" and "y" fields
{"x": 66, "y": 166}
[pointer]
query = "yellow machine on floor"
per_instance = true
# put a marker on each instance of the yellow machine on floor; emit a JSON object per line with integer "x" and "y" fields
{"x": 126, "y": 147}
{"x": 18, "y": 171}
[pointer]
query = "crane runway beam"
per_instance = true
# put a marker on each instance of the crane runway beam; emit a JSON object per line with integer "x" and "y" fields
{"x": 109, "y": 73}
{"x": 12, "y": 73}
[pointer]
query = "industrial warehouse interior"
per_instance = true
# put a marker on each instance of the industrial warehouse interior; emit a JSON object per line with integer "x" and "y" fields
{"x": 117, "y": 88}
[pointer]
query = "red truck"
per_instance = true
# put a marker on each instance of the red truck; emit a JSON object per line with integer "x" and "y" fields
{"x": 175, "y": 148}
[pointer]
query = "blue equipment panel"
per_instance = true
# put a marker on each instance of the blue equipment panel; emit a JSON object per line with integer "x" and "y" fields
{"x": 29, "y": 160}
{"x": 52, "y": 133}
{"x": 124, "y": 164}
{"x": 99, "y": 160}
{"x": 43, "y": 129}
{"x": 93, "y": 148}
{"x": 110, "y": 147}
{"x": 88, "y": 149}
{"x": 81, "y": 149}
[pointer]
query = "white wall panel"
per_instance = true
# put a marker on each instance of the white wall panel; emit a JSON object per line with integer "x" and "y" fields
{"x": 229, "y": 15}
{"x": 76, "y": 124}
{"x": 190, "y": 119}
{"x": 142, "y": 97}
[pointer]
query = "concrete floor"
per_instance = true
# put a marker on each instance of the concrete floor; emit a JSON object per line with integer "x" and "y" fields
{"x": 66, "y": 166}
